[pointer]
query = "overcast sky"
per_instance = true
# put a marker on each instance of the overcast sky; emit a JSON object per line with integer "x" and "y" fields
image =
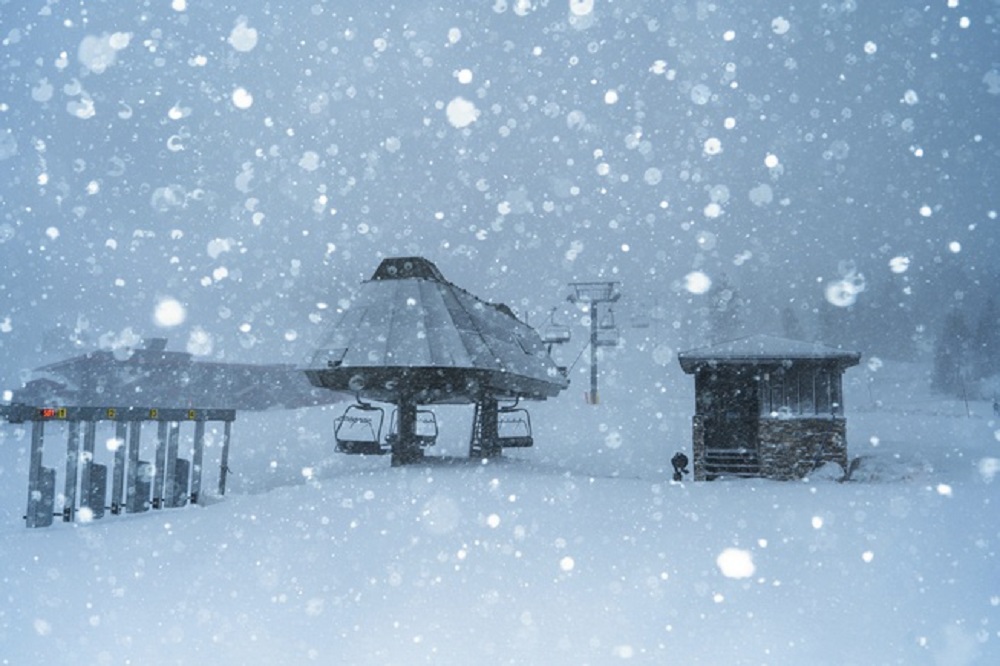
{"x": 225, "y": 174}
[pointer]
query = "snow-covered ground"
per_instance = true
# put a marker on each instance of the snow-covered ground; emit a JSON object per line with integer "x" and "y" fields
{"x": 579, "y": 551}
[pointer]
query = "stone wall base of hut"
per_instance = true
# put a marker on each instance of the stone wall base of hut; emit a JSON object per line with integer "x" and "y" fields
{"x": 698, "y": 448}
{"x": 786, "y": 448}
{"x": 793, "y": 448}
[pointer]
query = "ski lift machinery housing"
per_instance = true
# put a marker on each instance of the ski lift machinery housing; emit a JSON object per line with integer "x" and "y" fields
{"x": 413, "y": 339}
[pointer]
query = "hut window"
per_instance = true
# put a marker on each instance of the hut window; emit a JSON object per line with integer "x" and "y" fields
{"x": 776, "y": 392}
{"x": 823, "y": 401}
{"x": 800, "y": 391}
{"x": 837, "y": 403}
{"x": 807, "y": 402}
{"x": 792, "y": 392}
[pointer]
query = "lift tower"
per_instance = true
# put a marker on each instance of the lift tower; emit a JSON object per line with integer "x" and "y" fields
{"x": 593, "y": 295}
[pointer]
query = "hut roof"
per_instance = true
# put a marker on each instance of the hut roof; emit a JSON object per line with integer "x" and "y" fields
{"x": 764, "y": 349}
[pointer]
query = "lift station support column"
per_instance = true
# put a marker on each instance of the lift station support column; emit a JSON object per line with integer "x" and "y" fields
{"x": 486, "y": 429}
{"x": 405, "y": 447}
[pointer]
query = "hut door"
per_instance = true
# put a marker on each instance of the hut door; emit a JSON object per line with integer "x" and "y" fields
{"x": 731, "y": 428}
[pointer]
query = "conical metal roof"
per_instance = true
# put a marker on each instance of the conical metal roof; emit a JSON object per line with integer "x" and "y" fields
{"x": 412, "y": 332}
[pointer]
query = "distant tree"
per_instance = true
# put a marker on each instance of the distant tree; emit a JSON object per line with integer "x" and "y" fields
{"x": 881, "y": 321}
{"x": 986, "y": 342}
{"x": 952, "y": 355}
{"x": 886, "y": 321}
{"x": 791, "y": 327}
{"x": 725, "y": 311}
{"x": 829, "y": 324}
{"x": 838, "y": 326}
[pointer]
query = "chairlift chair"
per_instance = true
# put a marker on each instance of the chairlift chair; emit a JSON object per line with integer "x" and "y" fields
{"x": 554, "y": 333}
{"x": 640, "y": 320}
{"x": 358, "y": 431}
{"x": 427, "y": 428}
{"x": 514, "y": 427}
{"x": 607, "y": 334}
{"x": 607, "y": 322}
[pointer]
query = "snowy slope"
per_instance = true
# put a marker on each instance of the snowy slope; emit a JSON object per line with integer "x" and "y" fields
{"x": 579, "y": 551}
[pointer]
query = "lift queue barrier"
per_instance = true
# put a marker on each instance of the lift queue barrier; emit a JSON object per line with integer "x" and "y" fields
{"x": 136, "y": 484}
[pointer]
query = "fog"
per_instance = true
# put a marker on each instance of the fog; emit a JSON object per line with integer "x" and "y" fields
{"x": 226, "y": 174}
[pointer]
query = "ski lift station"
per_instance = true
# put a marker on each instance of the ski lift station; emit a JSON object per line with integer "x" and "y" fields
{"x": 766, "y": 406}
{"x": 409, "y": 341}
{"x": 412, "y": 339}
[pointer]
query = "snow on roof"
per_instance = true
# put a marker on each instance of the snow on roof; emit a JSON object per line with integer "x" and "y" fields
{"x": 401, "y": 268}
{"x": 409, "y": 316}
{"x": 764, "y": 348}
{"x": 154, "y": 377}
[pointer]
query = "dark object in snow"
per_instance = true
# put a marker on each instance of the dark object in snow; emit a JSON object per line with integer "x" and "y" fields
{"x": 855, "y": 464}
{"x": 680, "y": 463}
{"x": 767, "y": 406}
{"x": 996, "y": 407}
{"x": 413, "y": 338}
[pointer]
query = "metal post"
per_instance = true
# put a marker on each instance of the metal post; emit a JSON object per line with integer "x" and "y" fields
{"x": 35, "y": 474}
{"x": 160, "y": 464}
{"x": 491, "y": 428}
{"x": 593, "y": 354}
{"x": 118, "y": 474}
{"x": 224, "y": 464}
{"x": 196, "y": 461}
{"x": 170, "y": 466}
{"x": 405, "y": 448}
{"x": 132, "y": 502}
{"x": 593, "y": 294}
{"x": 89, "y": 437}
{"x": 72, "y": 469}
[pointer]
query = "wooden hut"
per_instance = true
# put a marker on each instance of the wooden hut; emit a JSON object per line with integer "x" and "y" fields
{"x": 767, "y": 406}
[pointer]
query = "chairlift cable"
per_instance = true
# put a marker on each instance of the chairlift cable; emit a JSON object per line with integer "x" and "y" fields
{"x": 573, "y": 364}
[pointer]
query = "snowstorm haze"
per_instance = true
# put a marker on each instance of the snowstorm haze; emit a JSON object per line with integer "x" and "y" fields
{"x": 226, "y": 174}
{"x": 222, "y": 177}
